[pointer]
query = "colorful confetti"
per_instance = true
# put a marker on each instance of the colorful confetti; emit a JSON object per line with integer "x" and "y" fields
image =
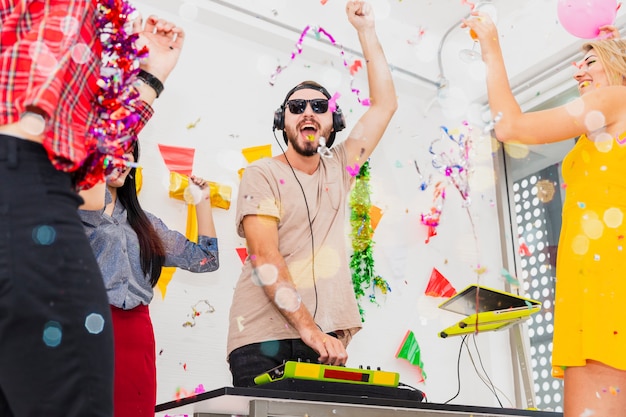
{"x": 509, "y": 277}
{"x": 356, "y": 66}
{"x": 451, "y": 156}
{"x": 353, "y": 170}
{"x": 318, "y": 31}
{"x": 113, "y": 130}
{"x": 523, "y": 249}
{"x": 469, "y": 3}
{"x": 196, "y": 312}
{"x": 432, "y": 217}
{"x": 183, "y": 393}
{"x": 424, "y": 184}
{"x": 193, "y": 124}
{"x": 332, "y": 102}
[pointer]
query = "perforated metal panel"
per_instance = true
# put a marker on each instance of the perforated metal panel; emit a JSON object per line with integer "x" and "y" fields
{"x": 537, "y": 200}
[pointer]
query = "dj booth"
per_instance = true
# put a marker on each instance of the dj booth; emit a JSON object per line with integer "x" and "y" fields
{"x": 290, "y": 401}
{"x": 312, "y": 390}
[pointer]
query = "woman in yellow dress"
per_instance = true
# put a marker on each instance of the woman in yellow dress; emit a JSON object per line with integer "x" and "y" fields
{"x": 590, "y": 306}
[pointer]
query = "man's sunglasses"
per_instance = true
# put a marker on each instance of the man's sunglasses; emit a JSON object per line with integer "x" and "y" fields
{"x": 318, "y": 105}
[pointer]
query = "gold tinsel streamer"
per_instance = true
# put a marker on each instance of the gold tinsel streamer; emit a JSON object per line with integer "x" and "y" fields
{"x": 361, "y": 261}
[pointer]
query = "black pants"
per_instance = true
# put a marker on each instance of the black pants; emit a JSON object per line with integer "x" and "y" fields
{"x": 56, "y": 340}
{"x": 252, "y": 360}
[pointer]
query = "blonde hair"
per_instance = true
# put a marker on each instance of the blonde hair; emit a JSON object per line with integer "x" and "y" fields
{"x": 612, "y": 54}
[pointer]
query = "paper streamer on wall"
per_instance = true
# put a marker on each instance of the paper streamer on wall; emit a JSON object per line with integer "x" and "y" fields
{"x": 219, "y": 194}
{"x": 375, "y": 215}
{"x": 138, "y": 179}
{"x": 167, "y": 272}
{"x": 177, "y": 159}
{"x": 191, "y": 233}
{"x": 410, "y": 350}
{"x": 243, "y": 254}
{"x": 255, "y": 152}
{"x": 439, "y": 286}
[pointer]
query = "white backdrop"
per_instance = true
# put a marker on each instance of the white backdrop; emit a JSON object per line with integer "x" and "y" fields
{"x": 222, "y": 83}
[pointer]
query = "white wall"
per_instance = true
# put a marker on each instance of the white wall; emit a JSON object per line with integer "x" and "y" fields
{"x": 222, "y": 78}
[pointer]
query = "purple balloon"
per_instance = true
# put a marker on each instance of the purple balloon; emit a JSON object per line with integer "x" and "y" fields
{"x": 582, "y": 18}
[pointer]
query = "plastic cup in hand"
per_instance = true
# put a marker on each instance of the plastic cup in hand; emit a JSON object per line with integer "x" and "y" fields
{"x": 470, "y": 55}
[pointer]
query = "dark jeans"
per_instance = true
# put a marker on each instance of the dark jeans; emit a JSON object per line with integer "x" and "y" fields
{"x": 56, "y": 340}
{"x": 252, "y": 360}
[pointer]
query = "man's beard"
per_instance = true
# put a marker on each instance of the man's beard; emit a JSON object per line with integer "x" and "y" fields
{"x": 309, "y": 148}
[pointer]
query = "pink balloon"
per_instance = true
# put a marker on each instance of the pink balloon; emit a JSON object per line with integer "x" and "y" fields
{"x": 582, "y": 18}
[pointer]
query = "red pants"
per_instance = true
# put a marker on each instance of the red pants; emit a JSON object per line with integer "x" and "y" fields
{"x": 134, "y": 393}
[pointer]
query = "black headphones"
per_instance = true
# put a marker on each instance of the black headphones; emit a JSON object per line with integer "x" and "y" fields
{"x": 339, "y": 122}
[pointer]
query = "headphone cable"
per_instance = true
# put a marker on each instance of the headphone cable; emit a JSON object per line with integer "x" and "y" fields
{"x": 308, "y": 213}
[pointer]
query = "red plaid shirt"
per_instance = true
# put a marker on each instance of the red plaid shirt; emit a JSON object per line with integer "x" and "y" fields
{"x": 50, "y": 59}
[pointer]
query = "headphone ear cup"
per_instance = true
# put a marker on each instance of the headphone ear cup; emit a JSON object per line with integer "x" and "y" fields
{"x": 279, "y": 119}
{"x": 339, "y": 122}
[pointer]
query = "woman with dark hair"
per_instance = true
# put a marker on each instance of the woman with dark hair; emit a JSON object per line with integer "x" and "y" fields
{"x": 131, "y": 245}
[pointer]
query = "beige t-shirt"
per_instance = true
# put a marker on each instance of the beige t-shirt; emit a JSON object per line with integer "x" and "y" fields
{"x": 268, "y": 187}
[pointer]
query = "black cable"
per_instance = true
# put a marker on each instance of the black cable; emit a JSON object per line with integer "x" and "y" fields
{"x": 308, "y": 213}
{"x": 402, "y": 384}
{"x": 493, "y": 388}
{"x": 458, "y": 371}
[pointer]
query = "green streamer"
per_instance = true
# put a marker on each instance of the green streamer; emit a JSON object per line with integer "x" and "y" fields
{"x": 361, "y": 261}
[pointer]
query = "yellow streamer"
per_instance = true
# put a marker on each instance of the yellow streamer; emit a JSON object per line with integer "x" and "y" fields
{"x": 220, "y": 196}
{"x": 138, "y": 179}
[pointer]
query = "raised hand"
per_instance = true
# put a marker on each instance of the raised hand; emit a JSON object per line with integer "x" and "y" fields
{"x": 608, "y": 32}
{"x": 483, "y": 29}
{"x": 360, "y": 14}
{"x": 200, "y": 182}
{"x": 164, "y": 41}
